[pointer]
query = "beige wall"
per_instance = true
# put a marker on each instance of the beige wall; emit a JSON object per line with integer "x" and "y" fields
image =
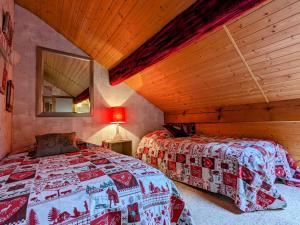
{"x": 5, "y": 117}
{"x": 30, "y": 32}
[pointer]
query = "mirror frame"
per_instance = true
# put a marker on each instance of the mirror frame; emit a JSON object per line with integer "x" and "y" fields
{"x": 39, "y": 84}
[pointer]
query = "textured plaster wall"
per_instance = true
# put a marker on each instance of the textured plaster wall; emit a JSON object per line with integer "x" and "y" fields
{"x": 5, "y": 117}
{"x": 30, "y": 32}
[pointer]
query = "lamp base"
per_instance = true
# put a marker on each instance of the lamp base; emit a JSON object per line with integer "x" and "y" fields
{"x": 117, "y": 136}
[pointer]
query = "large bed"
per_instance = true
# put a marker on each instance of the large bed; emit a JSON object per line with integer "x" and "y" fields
{"x": 92, "y": 186}
{"x": 243, "y": 169}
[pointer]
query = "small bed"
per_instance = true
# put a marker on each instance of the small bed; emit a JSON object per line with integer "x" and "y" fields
{"x": 91, "y": 186}
{"x": 243, "y": 169}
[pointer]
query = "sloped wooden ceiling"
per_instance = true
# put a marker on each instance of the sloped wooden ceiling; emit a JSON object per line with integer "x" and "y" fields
{"x": 253, "y": 59}
{"x": 210, "y": 72}
{"x": 108, "y": 30}
{"x": 69, "y": 74}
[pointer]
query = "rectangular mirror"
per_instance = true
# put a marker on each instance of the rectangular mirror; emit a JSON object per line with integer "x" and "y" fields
{"x": 64, "y": 84}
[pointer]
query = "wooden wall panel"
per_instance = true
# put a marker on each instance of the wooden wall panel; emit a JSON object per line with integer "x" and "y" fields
{"x": 285, "y": 133}
{"x": 288, "y": 110}
{"x": 278, "y": 121}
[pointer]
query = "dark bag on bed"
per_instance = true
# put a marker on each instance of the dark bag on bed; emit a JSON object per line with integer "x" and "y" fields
{"x": 54, "y": 144}
{"x": 175, "y": 131}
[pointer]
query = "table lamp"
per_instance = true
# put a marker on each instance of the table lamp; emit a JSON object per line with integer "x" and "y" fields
{"x": 117, "y": 115}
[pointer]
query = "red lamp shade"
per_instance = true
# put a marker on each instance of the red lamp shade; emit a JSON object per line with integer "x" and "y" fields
{"x": 117, "y": 114}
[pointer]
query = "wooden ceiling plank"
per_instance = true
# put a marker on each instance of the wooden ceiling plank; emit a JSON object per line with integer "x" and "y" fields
{"x": 216, "y": 68}
{"x": 214, "y": 78}
{"x": 67, "y": 12}
{"x": 281, "y": 79}
{"x": 74, "y": 16}
{"x": 241, "y": 87}
{"x": 92, "y": 23}
{"x": 267, "y": 20}
{"x": 202, "y": 102}
{"x": 245, "y": 63}
{"x": 270, "y": 31}
{"x": 120, "y": 19}
{"x": 51, "y": 12}
{"x": 210, "y": 91}
{"x": 268, "y": 9}
{"x": 107, "y": 21}
{"x": 166, "y": 106}
{"x": 213, "y": 92}
{"x": 276, "y": 61}
{"x": 278, "y": 67}
{"x": 271, "y": 38}
{"x": 78, "y": 19}
{"x": 281, "y": 73}
{"x": 88, "y": 39}
{"x": 269, "y": 48}
{"x": 276, "y": 54}
{"x": 279, "y": 86}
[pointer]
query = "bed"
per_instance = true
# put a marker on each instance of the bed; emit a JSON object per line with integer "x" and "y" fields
{"x": 92, "y": 186}
{"x": 243, "y": 169}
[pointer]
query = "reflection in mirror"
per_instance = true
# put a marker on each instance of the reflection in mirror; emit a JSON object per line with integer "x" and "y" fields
{"x": 64, "y": 84}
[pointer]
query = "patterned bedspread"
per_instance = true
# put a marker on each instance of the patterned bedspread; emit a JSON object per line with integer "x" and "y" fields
{"x": 242, "y": 169}
{"x": 93, "y": 186}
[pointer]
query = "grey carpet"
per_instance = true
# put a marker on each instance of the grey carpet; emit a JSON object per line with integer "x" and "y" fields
{"x": 213, "y": 209}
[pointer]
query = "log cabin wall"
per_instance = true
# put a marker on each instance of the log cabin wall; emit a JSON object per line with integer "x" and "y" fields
{"x": 279, "y": 121}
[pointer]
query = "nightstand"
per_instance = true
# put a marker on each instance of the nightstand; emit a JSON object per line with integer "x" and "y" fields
{"x": 121, "y": 146}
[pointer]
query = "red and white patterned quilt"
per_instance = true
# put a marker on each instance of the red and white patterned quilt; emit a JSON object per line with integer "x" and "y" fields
{"x": 93, "y": 186}
{"x": 242, "y": 169}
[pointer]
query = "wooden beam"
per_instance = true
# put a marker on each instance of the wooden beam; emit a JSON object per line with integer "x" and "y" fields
{"x": 200, "y": 18}
{"x": 245, "y": 62}
{"x": 82, "y": 96}
{"x": 288, "y": 110}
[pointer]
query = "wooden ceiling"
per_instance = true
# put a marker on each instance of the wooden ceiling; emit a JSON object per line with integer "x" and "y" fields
{"x": 72, "y": 75}
{"x": 211, "y": 72}
{"x": 253, "y": 59}
{"x": 108, "y": 30}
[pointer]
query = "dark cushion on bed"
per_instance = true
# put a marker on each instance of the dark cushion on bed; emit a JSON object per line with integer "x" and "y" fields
{"x": 175, "y": 131}
{"x": 54, "y": 144}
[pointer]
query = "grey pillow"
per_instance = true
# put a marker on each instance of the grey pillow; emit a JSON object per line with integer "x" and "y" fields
{"x": 54, "y": 144}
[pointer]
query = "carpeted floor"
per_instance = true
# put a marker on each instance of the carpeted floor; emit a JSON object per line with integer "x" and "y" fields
{"x": 213, "y": 209}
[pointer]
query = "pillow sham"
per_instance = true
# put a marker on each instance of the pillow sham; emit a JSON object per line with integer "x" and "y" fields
{"x": 175, "y": 131}
{"x": 56, "y": 143}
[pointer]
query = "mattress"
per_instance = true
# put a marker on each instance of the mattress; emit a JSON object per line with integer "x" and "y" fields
{"x": 243, "y": 169}
{"x": 92, "y": 186}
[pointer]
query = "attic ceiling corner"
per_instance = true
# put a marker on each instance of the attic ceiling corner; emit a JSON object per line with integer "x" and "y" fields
{"x": 107, "y": 30}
